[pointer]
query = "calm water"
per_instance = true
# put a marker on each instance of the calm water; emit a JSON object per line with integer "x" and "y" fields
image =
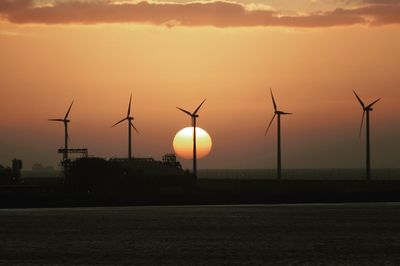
{"x": 314, "y": 174}
{"x": 329, "y": 234}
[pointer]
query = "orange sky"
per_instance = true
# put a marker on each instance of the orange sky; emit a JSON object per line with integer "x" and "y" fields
{"x": 168, "y": 59}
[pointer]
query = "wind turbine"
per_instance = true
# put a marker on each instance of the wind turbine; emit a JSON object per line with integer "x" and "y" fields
{"x": 366, "y": 110}
{"x": 129, "y": 118}
{"x": 193, "y": 116}
{"x": 278, "y": 114}
{"x": 65, "y": 120}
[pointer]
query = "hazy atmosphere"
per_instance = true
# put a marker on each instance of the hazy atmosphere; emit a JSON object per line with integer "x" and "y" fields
{"x": 176, "y": 53}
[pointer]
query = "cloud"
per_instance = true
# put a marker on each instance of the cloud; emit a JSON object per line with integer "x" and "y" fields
{"x": 218, "y": 14}
{"x": 376, "y": 12}
{"x": 10, "y": 33}
{"x": 381, "y": 2}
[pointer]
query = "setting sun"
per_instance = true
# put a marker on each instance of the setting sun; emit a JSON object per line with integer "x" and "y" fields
{"x": 183, "y": 143}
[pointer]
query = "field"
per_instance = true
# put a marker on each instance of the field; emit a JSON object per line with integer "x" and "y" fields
{"x": 309, "y": 234}
{"x": 302, "y": 174}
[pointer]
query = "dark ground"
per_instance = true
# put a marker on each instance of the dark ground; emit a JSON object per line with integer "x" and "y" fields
{"x": 207, "y": 191}
{"x": 307, "y": 234}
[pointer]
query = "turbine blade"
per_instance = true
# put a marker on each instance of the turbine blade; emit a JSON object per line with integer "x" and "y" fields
{"x": 358, "y": 98}
{"x": 284, "y": 113}
{"x": 129, "y": 107}
{"x": 183, "y": 110}
{"x": 122, "y": 120}
{"x": 137, "y": 131}
{"x": 198, "y": 108}
{"x": 370, "y": 105}
{"x": 58, "y": 120}
{"x": 362, "y": 122}
{"x": 69, "y": 109}
{"x": 270, "y": 123}
{"x": 273, "y": 99}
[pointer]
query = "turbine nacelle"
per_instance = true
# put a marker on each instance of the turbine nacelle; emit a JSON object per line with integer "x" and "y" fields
{"x": 276, "y": 112}
{"x": 128, "y": 117}
{"x": 367, "y": 108}
{"x": 282, "y": 113}
{"x": 193, "y": 115}
{"x": 65, "y": 119}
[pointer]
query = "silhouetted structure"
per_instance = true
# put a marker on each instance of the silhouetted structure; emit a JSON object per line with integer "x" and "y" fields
{"x": 170, "y": 159}
{"x": 11, "y": 176}
{"x": 366, "y": 110}
{"x": 193, "y": 118}
{"x": 129, "y": 118}
{"x": 277, "y": 113}
{"x": 83, "y": 152}
{"x": 122, "y": 178}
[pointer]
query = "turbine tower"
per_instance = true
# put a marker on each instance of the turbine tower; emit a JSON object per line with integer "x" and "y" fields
{"x": 65, "y": 120}
{"x": 193, "y": 116}
{"x": 366, "y": 110}
{"x": 277, "y": 113}
{"x": 129, "y": 118}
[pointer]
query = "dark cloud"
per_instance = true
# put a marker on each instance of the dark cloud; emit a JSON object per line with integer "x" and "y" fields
{"x": 381, "y": 2}
{"x": 380, "y": 12}
{"x": 218, "y": 14}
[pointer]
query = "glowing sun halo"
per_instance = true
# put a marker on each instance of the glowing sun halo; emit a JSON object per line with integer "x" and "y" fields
{"x": 183, "y": 143}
